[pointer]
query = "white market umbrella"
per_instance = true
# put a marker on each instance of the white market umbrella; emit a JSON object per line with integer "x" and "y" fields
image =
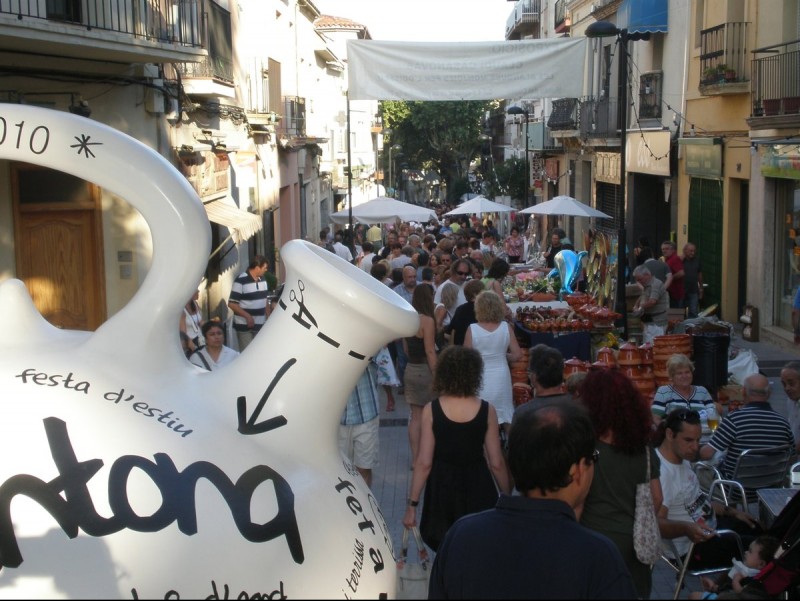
{"x": 384, "y": 210}
{"x": 478, "y": 206}
{"x": 564, "y": 205}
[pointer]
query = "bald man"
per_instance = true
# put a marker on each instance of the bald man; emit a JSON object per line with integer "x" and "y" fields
{"x": 755, "y": 426}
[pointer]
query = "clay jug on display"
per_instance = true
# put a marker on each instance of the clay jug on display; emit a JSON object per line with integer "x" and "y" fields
{"x": 129, "y": 473}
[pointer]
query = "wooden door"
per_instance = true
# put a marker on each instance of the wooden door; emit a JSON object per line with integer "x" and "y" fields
{"x": 705, "y": 231}
{"x": 59, "y": 250}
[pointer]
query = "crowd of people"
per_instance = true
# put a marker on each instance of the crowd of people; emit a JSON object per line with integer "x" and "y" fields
{"x": 494, "y": 484}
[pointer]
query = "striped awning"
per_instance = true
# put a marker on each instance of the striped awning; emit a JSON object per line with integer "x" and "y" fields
{"x": 241, "y": 224}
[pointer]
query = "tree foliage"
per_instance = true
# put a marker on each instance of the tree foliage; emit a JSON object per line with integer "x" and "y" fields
{"x": 442, "y": 136}
{"x": 507, "y": 178}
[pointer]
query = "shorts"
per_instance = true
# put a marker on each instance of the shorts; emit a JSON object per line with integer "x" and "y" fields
{"x": 418, "y": 384}
{"x": 359, "y": 443}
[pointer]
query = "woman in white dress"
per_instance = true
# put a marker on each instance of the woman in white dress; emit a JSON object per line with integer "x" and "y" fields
{"x": 214, "y": 354}
{"x": 494, "y": 338}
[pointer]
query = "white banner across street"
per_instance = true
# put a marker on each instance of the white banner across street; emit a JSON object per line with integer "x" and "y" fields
{"x": 381, "y": 70}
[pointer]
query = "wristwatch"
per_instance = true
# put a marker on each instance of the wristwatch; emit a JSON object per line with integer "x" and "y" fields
{"x": 412, "y": 503}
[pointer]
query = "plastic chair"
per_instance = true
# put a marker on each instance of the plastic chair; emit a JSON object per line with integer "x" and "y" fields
{"x": 681, "y": 564}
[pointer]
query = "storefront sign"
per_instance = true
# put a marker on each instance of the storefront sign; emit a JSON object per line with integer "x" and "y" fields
{"x": 780, "y": 160}
{"x": 607, "y": 167}
{"x": 648, "y": 152}
{"x": 551, "y": 168}
{"x": 703, "y": 157}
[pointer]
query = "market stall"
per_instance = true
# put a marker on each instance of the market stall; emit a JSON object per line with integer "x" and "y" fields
{"x": 574, "y": 326}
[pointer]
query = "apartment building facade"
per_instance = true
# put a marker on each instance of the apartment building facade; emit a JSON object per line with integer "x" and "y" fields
{"x": 244, "y": 98}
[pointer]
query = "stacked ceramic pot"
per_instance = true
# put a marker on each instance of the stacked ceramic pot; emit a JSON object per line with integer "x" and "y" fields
{"x": 521, "y": 388}
{"x": 631, "y": 360}
{"x": 606, "y": 359}
{"x": 646, "y": 352}
{"x": 574, "y": 366}
{"x": 663, "y": 348}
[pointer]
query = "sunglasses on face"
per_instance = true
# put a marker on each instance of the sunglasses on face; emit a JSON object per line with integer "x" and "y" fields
{"x": 684, "y": 415}
{"x": 463, "y": 272}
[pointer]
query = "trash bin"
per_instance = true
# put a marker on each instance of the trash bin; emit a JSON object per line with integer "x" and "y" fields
{"x": 710, "y": 359}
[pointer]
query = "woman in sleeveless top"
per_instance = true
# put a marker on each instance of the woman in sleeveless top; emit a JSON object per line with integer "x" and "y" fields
{"x": 514, "y": 246}
{"x": 494, "y": 339}
{"x": 460, "y": 435}
{"x": 421, "y": 352}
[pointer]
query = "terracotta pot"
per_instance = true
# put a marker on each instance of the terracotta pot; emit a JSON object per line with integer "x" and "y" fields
{"x": 606, "y": 355}
{"x": 631, "y": 371}
{"x": 573, "y": 366}
{"x": 629, "y": 354}
{"x": 646, "y": 351}
{"x": 673, "y": 339}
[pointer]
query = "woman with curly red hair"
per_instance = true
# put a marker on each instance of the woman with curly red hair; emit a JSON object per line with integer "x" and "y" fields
{"x": 623, "y": 424}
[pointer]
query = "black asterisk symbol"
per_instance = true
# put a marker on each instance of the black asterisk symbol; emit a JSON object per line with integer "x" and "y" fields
{"x": 83, "y": 145}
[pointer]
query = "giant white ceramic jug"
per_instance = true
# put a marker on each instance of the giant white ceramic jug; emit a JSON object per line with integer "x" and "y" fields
{"x": 127, "y": 472}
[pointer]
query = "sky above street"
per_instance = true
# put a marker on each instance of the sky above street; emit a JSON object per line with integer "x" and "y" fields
{"x": 425, "y": 20}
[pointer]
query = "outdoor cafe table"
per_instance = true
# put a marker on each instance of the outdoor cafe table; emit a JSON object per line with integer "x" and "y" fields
{"x": 771, "y": 502}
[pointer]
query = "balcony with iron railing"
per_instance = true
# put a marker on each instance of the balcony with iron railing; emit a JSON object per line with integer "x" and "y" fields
{"x": 776, "y": 80}
{"x": 118, "y": 30}
{"x": 599, "y": 118}
{"x": 217, "y": 67}
{"x": 524, "y": 19}
{"x": 565, "y": 117}
{"x": 724, "y": 62}
{"x": 293, "y": 117}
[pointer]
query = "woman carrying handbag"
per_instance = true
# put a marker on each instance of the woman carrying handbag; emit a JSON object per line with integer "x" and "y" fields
{"x": 623, "y": 425}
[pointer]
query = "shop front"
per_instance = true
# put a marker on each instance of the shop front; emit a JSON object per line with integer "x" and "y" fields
{"x": 703, "y": 166}
{"x": 780, "y": 167}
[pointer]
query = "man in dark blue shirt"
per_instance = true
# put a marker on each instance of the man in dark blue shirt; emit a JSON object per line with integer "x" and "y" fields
{"x": 531, "y": 546}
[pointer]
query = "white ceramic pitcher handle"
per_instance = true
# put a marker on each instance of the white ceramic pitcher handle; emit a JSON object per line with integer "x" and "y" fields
{"x": 136, "y": 173}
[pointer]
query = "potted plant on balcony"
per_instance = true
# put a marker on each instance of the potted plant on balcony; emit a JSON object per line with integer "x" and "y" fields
{"x": 711, "y": 75}
{"x": 726, "y": 73}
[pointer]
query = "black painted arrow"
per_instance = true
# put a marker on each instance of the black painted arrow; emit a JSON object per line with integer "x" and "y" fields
{"x": 249, "y": 426}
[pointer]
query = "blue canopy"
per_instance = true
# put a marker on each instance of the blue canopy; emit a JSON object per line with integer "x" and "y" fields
{"x": 644, "y": 15}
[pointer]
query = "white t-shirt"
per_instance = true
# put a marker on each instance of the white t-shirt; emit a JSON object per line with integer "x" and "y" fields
{"x": 366, "y": 262}
{"x": 793, "y": 415}
{"x": 684, "y": 499}
{"x": 344, "y": 252}
{"x": 226, "y": 356}
{"x": 437, "y": 297}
